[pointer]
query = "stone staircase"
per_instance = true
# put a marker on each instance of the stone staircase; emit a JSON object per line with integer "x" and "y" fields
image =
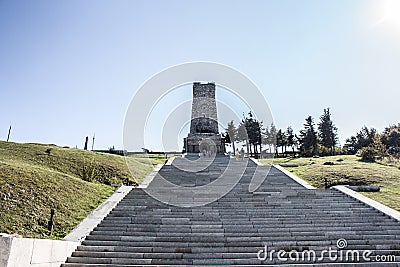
{"x": 280, "y": 215}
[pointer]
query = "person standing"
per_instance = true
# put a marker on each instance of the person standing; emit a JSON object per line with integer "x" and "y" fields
{"x": 242, "y": 153}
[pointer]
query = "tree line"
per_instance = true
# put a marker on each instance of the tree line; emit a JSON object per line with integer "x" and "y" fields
{"x": 371, "y": 145}
{"x": 315, "y": 139}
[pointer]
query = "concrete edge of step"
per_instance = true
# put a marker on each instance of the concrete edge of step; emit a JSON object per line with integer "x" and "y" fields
{"x": 294, "y": 177}
{"x": 169, "y": 161}
{"x": 370, "y": 202}
{"x": 286, "y": 172}
{"x": 80, "y": 232}
{"x": 150, "y": 176}
{"x": 256, "y": 162}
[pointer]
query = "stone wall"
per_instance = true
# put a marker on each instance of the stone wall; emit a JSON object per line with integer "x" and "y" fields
{"x": 204, "y": 109}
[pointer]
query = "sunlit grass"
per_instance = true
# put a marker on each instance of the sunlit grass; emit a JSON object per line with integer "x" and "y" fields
{"x": 348, "y": 170}
{"x": 35, "y": 178}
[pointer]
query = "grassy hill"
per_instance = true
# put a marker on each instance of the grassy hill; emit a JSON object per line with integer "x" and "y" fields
{"x": 348, "y": 170}
{"x": 34, "y": 178}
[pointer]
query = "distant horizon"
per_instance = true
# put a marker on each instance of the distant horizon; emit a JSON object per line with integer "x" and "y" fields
{"x": 151, "y": 150}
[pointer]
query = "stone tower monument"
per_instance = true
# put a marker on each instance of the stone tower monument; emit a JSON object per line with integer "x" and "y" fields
{"x": 204, "y": 136}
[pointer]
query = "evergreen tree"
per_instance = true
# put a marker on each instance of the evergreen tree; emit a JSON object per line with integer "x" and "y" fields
{"x": 272, "y": 137}
{"x": 253, "y": 130}
{"x": 280, "y": 141}
{"x": 290, "y": 137}
{"x": 308, "y": 138}
{"x": 391, "y": 139}
{"x": 363, "y": 138}
{"x": 376, "y": 150}
{"x": 241, "y": 134}
{"x": 257, "y": 136}
{"x": 351, "y": 145}
{"x": 231, "y": 132}
{"x": 327, "y": 131}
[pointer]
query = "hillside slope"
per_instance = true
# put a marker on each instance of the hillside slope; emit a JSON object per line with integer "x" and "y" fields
{"x": 35, "y": 178}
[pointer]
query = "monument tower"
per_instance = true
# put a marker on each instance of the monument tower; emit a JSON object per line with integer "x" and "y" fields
{"x": 203, "y": 135}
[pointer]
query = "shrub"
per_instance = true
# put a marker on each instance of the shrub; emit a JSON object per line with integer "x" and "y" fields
{"x": 88, "y": 171}
{"x": 48, "y": 151}
{"x": 374, "y": 151}
{"x": 368, "y": 154}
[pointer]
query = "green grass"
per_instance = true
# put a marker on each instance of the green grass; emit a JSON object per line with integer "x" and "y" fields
{"x": 348, "y": 170}
{"x": 34, "y": 178}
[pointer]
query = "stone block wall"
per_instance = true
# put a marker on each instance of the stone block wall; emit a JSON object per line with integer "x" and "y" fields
{"x": 204, "y": 109}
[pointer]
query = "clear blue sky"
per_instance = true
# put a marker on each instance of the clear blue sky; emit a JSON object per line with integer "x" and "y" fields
{"x": 70, "y": 68}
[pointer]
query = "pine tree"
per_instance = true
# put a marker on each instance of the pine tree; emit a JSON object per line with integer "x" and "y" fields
{"x": 391, "y": 139}
{"x": 231, "y": 132}
{"x": 308, "y": 138}
{"x": 363, "y": 138}
{"x": 351, "y": 145}
{"x": 241, "y": 134}
{"x": 272, "y": 137}
{"x": 256, "y": 136}
{"x": 281, "y": 141}
{"x": 327, "y": 131}
{"x": 252, "y": 129}
{"x": 290, "y": 137}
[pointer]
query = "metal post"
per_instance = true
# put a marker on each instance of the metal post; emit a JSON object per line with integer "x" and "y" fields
{"x": 50, "y": 224}
{"x": 9, "y": 132}
{"x": 86, "y": 142}
{"x": 93, "y": 140}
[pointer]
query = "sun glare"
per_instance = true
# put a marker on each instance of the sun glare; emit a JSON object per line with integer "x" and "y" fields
{"x": 390, "y": 13}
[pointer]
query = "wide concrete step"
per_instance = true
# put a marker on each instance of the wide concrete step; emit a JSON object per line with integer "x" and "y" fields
{"x": 299, "y": 246}
{"x": 302, "y": 232}
{"x": 266, "y": 229}
{"x": 253, "y": 224}
{"x": 393, "y": 243}
{"x": 202, "y": 260}
{"x": 163, "y": 255}
{"x": 252, "y": 211}
{"x": 260, "y": 223}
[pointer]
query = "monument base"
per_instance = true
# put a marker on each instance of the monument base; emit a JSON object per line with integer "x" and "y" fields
{"x": 204, "y": 143}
